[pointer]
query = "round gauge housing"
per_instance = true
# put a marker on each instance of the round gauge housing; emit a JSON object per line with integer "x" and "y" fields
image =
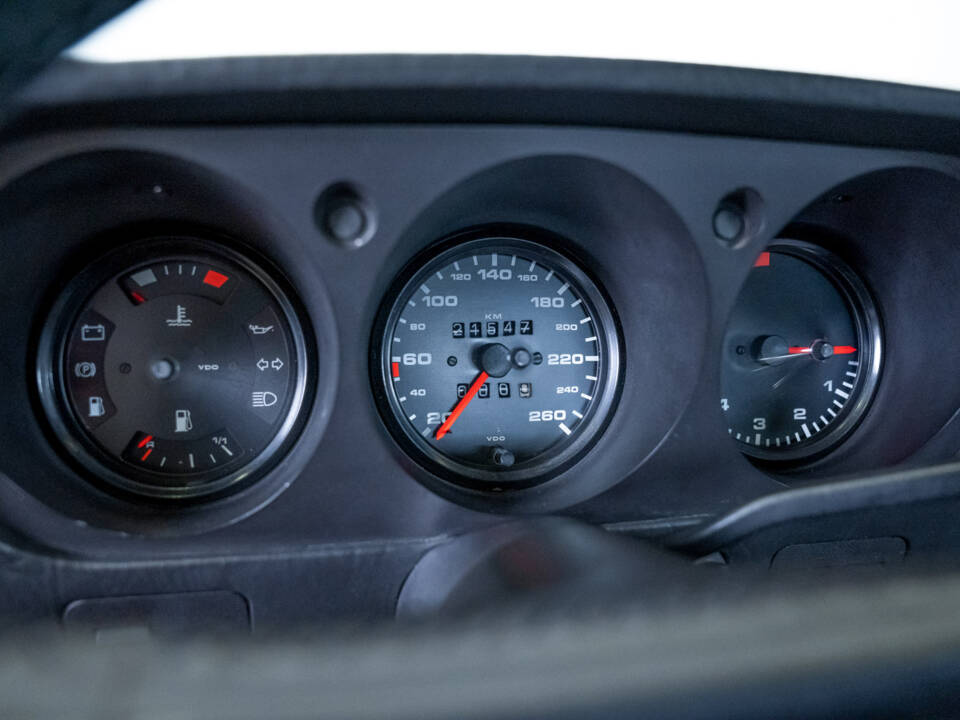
{"x": 496, "y": 360}
{"x": 801, "y": 355}
{"x": 174, "y": 368}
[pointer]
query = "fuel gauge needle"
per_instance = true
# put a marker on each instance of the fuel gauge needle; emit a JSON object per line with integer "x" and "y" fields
{"x": 461, "y": 406}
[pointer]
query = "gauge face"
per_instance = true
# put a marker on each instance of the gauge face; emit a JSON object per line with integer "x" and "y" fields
{"x": 801, "y": 354}
{"x": 178, "y": 375}
{"x": 498, "y": 361}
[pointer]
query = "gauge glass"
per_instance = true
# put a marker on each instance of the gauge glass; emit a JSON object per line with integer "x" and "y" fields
{"x": 801, "y": 356}
{"x": 499, "y": 361}
{"x": 180, "y": 374}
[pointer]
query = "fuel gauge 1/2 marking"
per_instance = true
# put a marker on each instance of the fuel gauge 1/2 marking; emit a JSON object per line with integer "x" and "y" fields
{"x": 801, "y": 356}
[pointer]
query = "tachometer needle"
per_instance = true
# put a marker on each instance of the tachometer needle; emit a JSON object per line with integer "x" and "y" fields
{"x": 837, "y": 350}
{"x": 461, "y": 406}
{"x": 826, "y": 351}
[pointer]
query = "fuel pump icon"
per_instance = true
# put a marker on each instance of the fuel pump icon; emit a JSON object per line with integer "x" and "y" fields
{"x": 182, "y": 421}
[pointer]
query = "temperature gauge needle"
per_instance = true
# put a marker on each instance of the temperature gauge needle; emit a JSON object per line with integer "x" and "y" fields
{"x": 461, "y": 406}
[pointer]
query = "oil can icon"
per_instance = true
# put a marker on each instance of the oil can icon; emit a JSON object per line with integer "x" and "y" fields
{"x": 182, "y": 421}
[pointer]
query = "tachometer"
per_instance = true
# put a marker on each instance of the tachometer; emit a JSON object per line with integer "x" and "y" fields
{"x": 497, "y": 360}
{"x": 801, "y": 354}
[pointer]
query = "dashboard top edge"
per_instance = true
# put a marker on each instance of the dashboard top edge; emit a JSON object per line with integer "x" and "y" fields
{"x": 567, "y": 91}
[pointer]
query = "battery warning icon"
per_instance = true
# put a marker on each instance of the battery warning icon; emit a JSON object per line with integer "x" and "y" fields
{"x": 93, "y": 333}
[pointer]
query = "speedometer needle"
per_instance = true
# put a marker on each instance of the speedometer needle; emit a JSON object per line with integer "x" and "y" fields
{"x": 461, "y": 406}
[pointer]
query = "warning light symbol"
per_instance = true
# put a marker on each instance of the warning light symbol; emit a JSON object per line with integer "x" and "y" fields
{"x": 214, "y": 278}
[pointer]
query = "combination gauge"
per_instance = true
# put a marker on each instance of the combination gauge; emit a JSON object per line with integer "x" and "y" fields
{"x": 174, "y": 368}
{"x": 496, "y": 360}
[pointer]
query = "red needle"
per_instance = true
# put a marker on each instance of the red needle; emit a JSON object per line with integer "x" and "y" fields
{"x": 837, "y": 350}
{"x": 461, "y": 406}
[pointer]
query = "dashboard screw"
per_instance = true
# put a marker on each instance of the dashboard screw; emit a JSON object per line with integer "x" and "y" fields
{"x": 345, "y": 216}
{"x": 728, "y": 223}
{"x": 739, "y": 218}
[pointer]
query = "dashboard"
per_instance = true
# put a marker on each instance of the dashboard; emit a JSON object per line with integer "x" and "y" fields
{"x": 246, "y": 354}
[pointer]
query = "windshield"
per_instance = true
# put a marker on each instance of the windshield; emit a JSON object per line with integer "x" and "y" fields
{"x": 903, "y": 42}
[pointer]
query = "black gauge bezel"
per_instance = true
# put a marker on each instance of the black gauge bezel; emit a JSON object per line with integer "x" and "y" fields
{"x": 114, "y": 474}
{"x": 536, "y": 244}
{"x": 869, "y": 331}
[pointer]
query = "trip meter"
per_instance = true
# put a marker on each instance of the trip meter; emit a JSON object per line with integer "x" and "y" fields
{"x": 174, "y": 368}
{"x": 497, "y": 361}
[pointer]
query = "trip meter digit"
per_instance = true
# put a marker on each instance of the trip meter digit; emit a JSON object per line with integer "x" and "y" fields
{"x": 498, "y": 361}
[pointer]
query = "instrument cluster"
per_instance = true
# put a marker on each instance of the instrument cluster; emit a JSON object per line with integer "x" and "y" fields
{"x": 177, "y": 367}
{"x": 549, "y": 333}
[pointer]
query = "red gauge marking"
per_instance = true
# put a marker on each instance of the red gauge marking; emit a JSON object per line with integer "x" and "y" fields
{"x": 763, "y": 260}
{"x": 395, "y": 369}
{"x": 143, "y": 442}
{"x": 798, "y": 350}
{"x": 461, "y": 406}
{"x": 137, "y": 297}
{"x": 146, "y": 454}
{"x": 214, "y": 278}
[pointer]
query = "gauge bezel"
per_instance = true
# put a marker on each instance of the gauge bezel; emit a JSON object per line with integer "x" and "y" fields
{"x": 537, "y": 244}
{"x": 113, "y": 474}
{"x": 867, "y": 322}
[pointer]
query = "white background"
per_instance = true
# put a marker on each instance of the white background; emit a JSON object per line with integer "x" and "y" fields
{"x": 912, "y": 41}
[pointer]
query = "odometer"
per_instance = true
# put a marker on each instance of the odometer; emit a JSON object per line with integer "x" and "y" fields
{"x": 498, "y": 360}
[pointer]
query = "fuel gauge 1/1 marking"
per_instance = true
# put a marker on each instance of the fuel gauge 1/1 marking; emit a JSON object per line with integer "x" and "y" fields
{"x": 801, "y": 356}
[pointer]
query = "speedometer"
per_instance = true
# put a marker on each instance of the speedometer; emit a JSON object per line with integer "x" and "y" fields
{"x": 497, "y": 360}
